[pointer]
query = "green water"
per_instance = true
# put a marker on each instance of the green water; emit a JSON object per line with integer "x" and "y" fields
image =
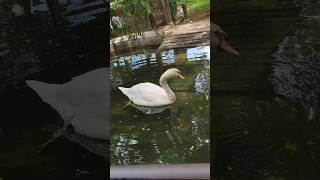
{"x": 179, "y": 133}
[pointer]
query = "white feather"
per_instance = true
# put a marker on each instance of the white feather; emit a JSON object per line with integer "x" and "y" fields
{"x": 82, "y": 102}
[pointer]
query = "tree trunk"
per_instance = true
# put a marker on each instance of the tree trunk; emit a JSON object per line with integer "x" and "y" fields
{"x": 185, "y": 11}
{"x": 165, "y": 11}
{"x": 152, "y": 21}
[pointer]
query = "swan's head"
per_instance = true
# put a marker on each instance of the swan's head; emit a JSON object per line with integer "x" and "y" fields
{"x": 221, "y": 39}
{"x": 172, "y": 73}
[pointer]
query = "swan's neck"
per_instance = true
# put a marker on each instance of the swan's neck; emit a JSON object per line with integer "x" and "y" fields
{"x": 164, "y": 84}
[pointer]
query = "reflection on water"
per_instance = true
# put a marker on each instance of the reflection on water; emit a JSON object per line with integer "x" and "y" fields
{"x": 151, "y": 110}
{"x": 178, "y": 133}
{"x": 198, "y": 53}
{"x": 166, "y": 57}
{"x": 48, "y": 47}
{"x": 267, "y": 126}
{"x": 296, "y": 67}
{"x": 33, "y": 42}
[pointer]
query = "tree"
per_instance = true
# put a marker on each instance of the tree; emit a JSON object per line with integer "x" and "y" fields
{"x": 183, "y": 4}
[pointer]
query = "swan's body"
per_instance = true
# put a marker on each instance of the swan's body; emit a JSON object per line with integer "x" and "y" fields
{"x": 220, "y": 40}
{"x": 82, "y": 102}
{"x": 149, "y": 94}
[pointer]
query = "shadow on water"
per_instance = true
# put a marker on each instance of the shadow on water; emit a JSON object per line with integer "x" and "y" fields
{"x": 179, "y": 133}
{"x": 266, "y": 123}
{"x": 53, "y": 48}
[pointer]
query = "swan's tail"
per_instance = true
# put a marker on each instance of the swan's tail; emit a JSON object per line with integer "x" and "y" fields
{"x": 124, "y": 91}
{"x": 46, "y": 91}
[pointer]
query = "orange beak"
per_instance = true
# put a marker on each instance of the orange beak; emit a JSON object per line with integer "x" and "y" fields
{"x": 180, "y": 77}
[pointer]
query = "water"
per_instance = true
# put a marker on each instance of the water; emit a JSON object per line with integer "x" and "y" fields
{"x": 266, "y": 114}
{"x": 179, "y": 133}
{"x": 46, "y": 49}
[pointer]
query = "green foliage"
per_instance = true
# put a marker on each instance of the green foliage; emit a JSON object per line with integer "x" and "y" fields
{"x": 172, "y": 9}
{"x": 139, "y": 9}
{"x": 196, "y": 5}
{"x": 182, "y": 1}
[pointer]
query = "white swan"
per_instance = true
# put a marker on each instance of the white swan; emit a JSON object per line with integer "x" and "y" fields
{"x": 82, "y": 102}
{"x": 149, "y": 94}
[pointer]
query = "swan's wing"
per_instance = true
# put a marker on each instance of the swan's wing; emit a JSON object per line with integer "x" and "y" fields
{"x": 148, "y": 94}
{"x": 93, "y": 75}
{"x": 88, "y": 96}
{"x": 83, "y": 101}
{"x": 147, "y": 90}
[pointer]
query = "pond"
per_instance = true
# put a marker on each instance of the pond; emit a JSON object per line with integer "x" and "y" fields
{"x": 179, "y": 133}
{"x": 265, "y": 104}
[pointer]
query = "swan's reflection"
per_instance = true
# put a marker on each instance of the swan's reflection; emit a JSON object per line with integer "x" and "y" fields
{"x": 152, "y": 110}
{"x": 157, "y": 110}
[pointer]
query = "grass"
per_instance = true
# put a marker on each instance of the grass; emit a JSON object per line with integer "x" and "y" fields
{"x": 198, "y": 5}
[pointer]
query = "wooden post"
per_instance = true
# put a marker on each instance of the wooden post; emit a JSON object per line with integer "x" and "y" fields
{"x": 112, "y": 51}
{"x": 152, "y": 21}
{"x": 159, "y": 58}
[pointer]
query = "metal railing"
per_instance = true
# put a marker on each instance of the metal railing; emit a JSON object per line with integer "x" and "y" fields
{"x": 161, "y": 171}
